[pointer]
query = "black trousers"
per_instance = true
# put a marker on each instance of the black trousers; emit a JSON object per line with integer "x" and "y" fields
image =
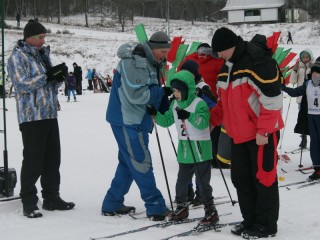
{"x": 185, "y": 174}
{"x": 258, "y": 203}
{"x": 79, "y": 86}
{"x": 41, "y": 159}
{"x": 90, "y": 87}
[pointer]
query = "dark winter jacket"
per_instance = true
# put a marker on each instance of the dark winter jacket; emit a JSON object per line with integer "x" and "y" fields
{"x": 77, "y": 73}
{"x": 71, "y": 82}
{"x": 302, "y": 121}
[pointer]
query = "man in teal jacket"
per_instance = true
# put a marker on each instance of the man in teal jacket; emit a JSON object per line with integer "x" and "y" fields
{"x": 136, "y": 83}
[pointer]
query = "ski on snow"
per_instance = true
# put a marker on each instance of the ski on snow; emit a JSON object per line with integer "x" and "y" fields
{"x": 216, "y": 203}
{"x": 294, "y": 183}
{"x": 9, "y": 199}
{"x": 297, "y": 150}
{"x": 200, "y": 229}
{"x": 302, "y": 184}
{"x": 157, "y": 225}
{"x": 309, "y": 184}
{"x": 191, "y": 207}
{"x": 302, "y": 170}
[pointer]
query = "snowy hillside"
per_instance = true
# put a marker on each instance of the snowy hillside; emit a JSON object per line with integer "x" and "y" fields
{"x": 89, "y": 151}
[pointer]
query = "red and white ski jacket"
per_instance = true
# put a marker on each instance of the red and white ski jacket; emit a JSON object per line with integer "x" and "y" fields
{"x": 249, "y": 89}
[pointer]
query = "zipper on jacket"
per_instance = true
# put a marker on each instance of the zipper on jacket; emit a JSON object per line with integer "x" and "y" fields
{"x": 35, "y": 100}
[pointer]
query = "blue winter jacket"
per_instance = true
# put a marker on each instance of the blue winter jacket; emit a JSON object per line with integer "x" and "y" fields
{"x": 36, "y": 98}
{"x": 135, "y": 85}
{"x": 89, "y": 74}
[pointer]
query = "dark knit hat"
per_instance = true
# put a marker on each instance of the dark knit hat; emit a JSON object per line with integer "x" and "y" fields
{"x": 159, "y": 40}
{"x": 192, "y": 67}
{"x": 33, "y": 28}
{"x": 223, "y": 39}
{"x": 316, "y": 66}
{"x": 181, "y": 86}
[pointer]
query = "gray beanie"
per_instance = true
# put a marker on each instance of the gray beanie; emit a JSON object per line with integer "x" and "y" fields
{"x": 159, "y": 40}
{"x": 33, "y": 28}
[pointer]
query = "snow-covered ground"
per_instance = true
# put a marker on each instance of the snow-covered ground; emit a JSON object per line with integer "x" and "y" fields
{"x": 89, "y": 151}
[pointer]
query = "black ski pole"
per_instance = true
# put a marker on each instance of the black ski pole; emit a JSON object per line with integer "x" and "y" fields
{"x": 163, "y": 166}
{"x": 5, "y": 151}
{"x": 225, "y": 182}
{"x": 194, "y": 160}
{"x": 285, "y": 123}
{"x": 174, "y": 148}
{"x": 300, "y": 165}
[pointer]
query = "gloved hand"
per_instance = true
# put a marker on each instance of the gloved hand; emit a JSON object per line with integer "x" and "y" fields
{"x": 57, "y": 72}
{"x": 151, "y": 110}
{"x": 167, "y": 91}
{"x": 182, "y": 114}
{"x": 207, "y": 92}
{"x": 198, "y": 92}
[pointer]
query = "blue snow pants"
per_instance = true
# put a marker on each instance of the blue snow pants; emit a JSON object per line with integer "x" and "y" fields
{"x": 134, "y": 164}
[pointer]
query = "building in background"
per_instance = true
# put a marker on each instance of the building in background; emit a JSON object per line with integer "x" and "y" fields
{"x": 253, "y": 11}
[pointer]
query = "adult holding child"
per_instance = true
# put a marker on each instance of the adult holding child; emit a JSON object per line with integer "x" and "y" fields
{"x": 136, "y": 84}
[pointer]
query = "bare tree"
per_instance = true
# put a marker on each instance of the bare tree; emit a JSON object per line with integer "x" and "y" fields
{"x": 124, "y": 11}
{"x": 59, "y": 11}
{"x": 34, "y": 9}
{"x": 86, "y": 12}
{"x": 92, "y": 7}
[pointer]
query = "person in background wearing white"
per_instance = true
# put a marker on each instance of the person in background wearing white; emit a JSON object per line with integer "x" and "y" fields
{"x": 298, "y": 75}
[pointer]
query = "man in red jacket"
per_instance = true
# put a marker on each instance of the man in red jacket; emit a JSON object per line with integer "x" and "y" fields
{"x": 249, "y": 106}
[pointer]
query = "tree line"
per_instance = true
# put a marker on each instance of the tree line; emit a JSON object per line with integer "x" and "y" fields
{"x": 124, "y": 11}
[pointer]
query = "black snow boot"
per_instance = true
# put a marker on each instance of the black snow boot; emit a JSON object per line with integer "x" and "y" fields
{"x": 57, "y": 204}
{"x": 159, "y": 217}
{"x": 121, "y": 211}
{"x": 257, "y": 231}
{"x": 239, "y": 228}
{"x": 315, "y": 175}
{"x": 31, "y": 211}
